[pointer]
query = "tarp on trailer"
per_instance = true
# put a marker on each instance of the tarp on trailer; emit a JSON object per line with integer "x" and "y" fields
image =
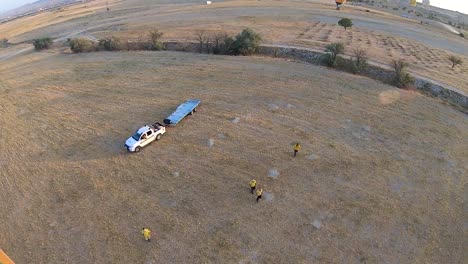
{"x": 182, "y": 111}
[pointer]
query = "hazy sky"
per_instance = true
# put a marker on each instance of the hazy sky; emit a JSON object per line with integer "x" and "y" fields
{"x": 457, "y": 5}
{"x": 10, "y": 4}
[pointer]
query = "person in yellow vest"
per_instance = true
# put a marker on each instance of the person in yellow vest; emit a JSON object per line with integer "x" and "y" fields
{"x": 253, "y": 185}
{"x": 297, "y": 147}
{"x": 259, "y": 193}
{"x": 146, "y": 233}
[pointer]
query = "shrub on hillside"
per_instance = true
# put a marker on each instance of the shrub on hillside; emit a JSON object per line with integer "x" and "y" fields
{"x": 110, "y": 44}
{"x": 202, "y": 38}
{"x": 227, "y": 46}
{"x": 401, "y": 78}
{"x": 155, "y": 37}
{"x": 333, "y": 50}
{"x": 359, "y": 60}
{"x": 246, "y": 43}
{"x": 218, "y": 42}
{"x": 79, "y": 45}
{"x": 43, "y": 43}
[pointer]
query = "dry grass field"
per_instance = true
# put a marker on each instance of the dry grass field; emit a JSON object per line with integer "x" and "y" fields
{"x": 303, "y": 23}
{"x": 381, "y": 177}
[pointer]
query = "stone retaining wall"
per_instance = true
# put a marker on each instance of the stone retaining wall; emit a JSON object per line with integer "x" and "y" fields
{"x": 375, "y": 72}
{"x": 182, "y": 46}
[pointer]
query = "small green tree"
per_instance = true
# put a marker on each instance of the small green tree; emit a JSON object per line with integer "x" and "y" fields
{"x": 455, "y": 61}
{"x": 333, "y": 50}
{"x": 247, "y": 42}
{"x": 155, "y": 36}
{"x": 401, "y": 78}
{"x": 43, "y": 43}
{"x": 346, "y": 23}
{"x": 79, "y": 45}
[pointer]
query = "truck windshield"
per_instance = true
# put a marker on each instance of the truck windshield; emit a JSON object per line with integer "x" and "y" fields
{"x": 136, "y": 136}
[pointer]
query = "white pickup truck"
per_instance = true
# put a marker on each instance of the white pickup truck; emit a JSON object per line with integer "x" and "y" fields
{"x": 144, "y": 136}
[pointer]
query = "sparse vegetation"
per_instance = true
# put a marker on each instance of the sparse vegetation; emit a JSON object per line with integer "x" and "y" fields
{"x": 79, "y": 45}
{"x": 3, "y": 43}
{"x": 42, "y": 43}
{"x": 142, "y": 44}
{"x": 346, "y": 23}
{"x": 401, "y": 78}
{"x": 461, "y": 35}
{"x": 218, "y": 42}
{"x": 455, "y": 61}
{"x": 110, "y": 44}
{"x": 433, "y": 17}
{"x": 202, "y": 38}
{"x": 155, "y": 37}
{"x": 359, "y": 60}
{"x": 227, "y": 46}
{"x": 333, "y": 50}
{"x": 246, "y": 43}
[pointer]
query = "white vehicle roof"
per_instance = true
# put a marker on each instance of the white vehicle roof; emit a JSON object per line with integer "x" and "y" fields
{"x": 143, "y": 129}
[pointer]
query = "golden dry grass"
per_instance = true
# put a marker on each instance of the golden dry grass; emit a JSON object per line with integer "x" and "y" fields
{"x": 380, "y": 178}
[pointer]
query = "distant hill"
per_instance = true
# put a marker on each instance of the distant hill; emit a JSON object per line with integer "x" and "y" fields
{"x": 37, "y": 6}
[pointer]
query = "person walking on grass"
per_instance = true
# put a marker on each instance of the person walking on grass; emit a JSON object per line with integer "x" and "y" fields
{"x": 146, "y": 233}
{"x": 259, "y": 193}
{"x": 297, "y": 147}
{"x": 253, "y": 185}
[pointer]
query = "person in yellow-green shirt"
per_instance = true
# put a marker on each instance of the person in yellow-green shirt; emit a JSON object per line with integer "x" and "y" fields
{"x": 259, "y": 193}
{"x": 253, "y": 185}
{"x": 146, "y": 233}
{"x": 297, "y": 147}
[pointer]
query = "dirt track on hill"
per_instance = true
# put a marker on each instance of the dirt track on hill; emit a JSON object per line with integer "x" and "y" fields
{"x": 380, "y": 177}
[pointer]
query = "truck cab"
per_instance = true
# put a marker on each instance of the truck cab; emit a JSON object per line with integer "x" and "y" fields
{"x": 144, "y": 136}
